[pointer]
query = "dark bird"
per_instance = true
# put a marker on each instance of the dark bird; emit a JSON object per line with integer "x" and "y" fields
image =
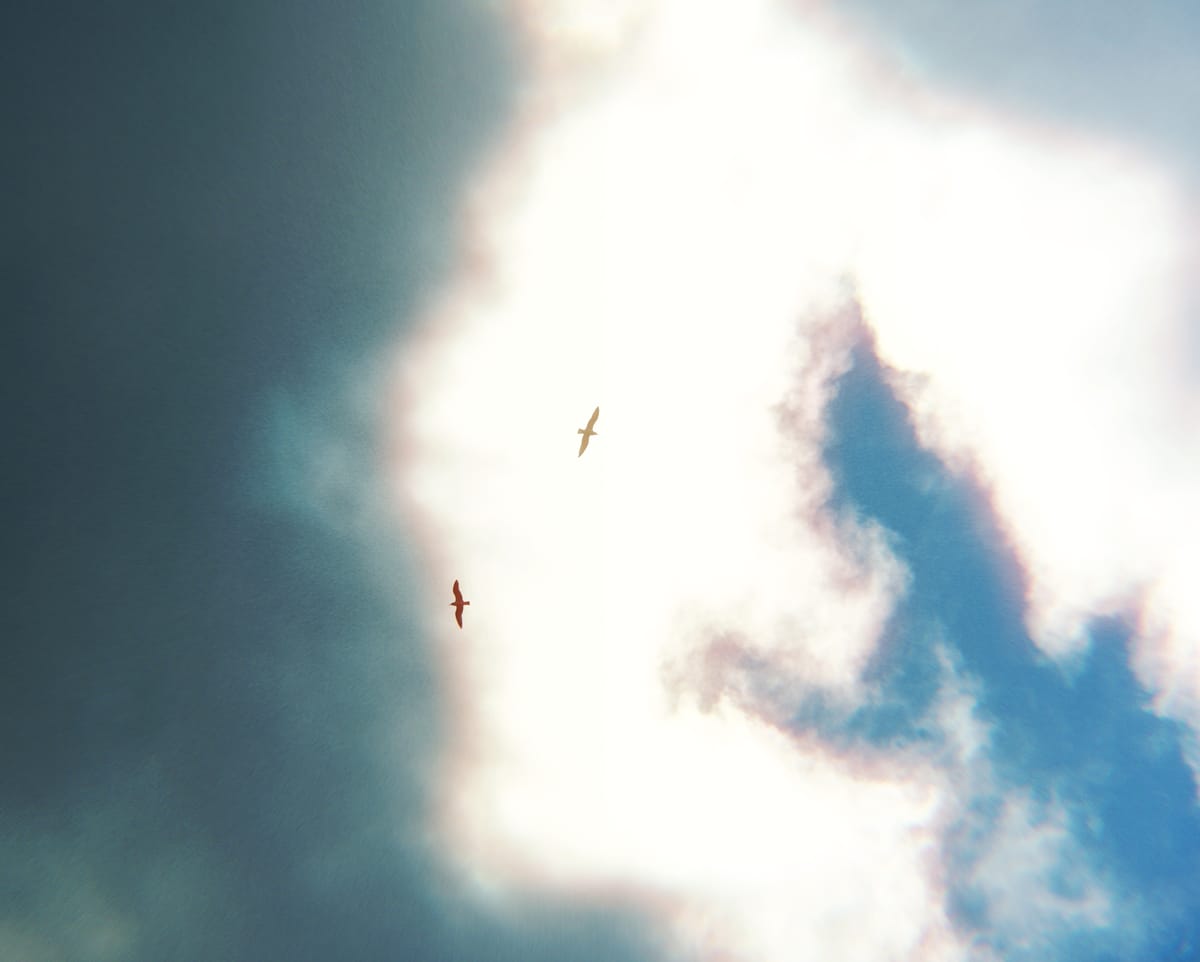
{"x": 457, "y": 604}
{"x": 587, "y": 432}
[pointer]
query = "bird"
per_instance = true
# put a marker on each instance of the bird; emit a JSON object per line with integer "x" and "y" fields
{"x": 587, "y": 432}
{"x": 457, "y": 604}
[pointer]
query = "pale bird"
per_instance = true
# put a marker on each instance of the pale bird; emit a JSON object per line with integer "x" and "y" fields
{"x": 587, "y": 432}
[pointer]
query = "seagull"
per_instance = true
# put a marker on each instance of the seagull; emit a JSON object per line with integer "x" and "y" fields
{"x": 457, "y": 604}
{"x": 587, "y": 432}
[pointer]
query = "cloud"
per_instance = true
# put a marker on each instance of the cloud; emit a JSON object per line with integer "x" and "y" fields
{"x": 106, "y": 880}
{"x": 678, "y": 234}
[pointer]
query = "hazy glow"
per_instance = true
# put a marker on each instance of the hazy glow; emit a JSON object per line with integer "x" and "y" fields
{"x": 673, "y": 241}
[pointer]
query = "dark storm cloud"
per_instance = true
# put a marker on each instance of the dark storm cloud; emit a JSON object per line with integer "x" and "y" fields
{"x": 213, "y": 718}
{"x": 113, "y": 876}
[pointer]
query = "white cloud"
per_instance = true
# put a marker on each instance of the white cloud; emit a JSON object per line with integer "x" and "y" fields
{"x": 671, "y": 239}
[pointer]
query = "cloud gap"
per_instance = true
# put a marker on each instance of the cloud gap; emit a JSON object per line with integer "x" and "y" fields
{"x": 1080, "y": 733}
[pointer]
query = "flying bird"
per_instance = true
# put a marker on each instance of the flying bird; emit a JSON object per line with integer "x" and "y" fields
{"x": 457, "y": 604}
{"x": 587, "y": 432}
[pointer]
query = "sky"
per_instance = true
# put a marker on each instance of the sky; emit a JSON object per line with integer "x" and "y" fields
{"x": 864, "y": 629}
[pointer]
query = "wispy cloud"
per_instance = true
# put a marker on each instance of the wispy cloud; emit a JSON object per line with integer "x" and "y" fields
{"x": 1020, "y": 876}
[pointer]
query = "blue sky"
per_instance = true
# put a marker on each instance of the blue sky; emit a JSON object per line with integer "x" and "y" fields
{"x": 1082, "y": 734}
{"x": 1083, "y": 731}
{"x": 232, "y": 698}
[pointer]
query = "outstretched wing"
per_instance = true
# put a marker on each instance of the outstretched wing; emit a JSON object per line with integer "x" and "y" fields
{"x": 592, "y": 423}
{"x": 458, "y": 601}
{"x": 458, "y": 610}
{"x": 583, "y": 443}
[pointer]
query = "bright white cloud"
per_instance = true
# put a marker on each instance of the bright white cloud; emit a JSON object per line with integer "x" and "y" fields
{"x": 672, "y": 240}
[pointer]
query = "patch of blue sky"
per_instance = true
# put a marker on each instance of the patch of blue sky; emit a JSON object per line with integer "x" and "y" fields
{"x": 1081, "y": 735}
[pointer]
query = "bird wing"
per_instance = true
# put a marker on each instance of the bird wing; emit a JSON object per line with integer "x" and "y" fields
{"x": 583, "y": 445}
{"x": 458, "y": 609}
{"x": 592, "y": 422}
{"x": 457, "y": 595}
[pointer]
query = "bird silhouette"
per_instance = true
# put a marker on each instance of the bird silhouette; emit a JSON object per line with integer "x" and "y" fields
{"x": 457, "y": 604}
{"x": 587, "y": 433}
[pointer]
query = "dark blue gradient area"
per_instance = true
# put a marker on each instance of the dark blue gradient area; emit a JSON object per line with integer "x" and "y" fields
{"x": 1081, "y": 734}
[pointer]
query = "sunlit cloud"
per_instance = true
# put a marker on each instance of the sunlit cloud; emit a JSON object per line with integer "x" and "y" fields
{"x": 681, "y": 234}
